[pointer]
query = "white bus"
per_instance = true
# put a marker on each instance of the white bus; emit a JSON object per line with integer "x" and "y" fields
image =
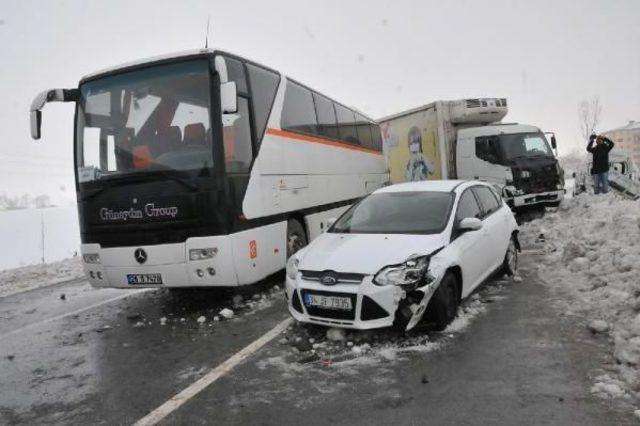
{"x": 207, "y": 169}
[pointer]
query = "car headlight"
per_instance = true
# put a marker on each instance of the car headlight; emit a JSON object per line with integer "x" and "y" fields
{"x": 93, "y": 258}
{"x": 413, "y": 271}
{"x": 292, "y": 267}
{"x": 560, "y": 186}
{"x": 202, "y": 253}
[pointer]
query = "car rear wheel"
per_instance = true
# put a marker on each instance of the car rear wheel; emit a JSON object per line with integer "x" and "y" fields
{"x": 296, "y": 237}
{"x": 510, "y": 263}
{"x": 443, "y": 306}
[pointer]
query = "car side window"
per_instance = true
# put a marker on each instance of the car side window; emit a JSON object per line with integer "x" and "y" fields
{"x": 468, "y": 206}
{"x": 487, "y": 199}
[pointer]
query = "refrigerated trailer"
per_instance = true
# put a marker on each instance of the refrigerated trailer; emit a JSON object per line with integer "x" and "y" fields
{"x": 466, "y": 139}
{"x": 207, "y": 169}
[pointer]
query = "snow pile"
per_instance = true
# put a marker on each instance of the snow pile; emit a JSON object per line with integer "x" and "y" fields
{"x": 30, "y": 277}
{"x": 592, "y": 255}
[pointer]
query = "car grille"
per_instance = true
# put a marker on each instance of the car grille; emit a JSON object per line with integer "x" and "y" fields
{"x": 342, "y": 277}
{"x": 316, "y": 311}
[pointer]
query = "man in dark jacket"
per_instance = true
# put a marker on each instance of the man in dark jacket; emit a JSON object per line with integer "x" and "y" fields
{"x": 600, "y": 169}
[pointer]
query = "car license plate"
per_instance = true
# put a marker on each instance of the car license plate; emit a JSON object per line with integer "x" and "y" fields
{"x": 144, "y": 279}
{"x": 328, "y": 302}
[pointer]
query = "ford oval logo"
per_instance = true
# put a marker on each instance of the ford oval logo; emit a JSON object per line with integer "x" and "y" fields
{"x": 329, "y": 278}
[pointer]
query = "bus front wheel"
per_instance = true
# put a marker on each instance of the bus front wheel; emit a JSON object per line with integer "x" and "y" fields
{"x": 296, "y": 237}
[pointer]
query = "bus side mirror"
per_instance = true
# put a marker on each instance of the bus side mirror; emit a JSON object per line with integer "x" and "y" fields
{"x": 228, "y": 97}
{"x": 554, "y": 145}
{"x": 36, "y": 122}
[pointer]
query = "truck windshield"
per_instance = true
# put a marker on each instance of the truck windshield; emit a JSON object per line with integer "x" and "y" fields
{"x": 151, "y": 119}
{"x": 520, "y": 145}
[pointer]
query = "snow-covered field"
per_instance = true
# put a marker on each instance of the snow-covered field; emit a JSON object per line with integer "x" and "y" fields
{"x": 592, "y": 259}
{"x": 32, "y": 236}
{"x": 30, "y": 277}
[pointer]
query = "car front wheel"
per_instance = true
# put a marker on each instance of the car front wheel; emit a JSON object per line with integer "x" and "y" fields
{"x": 443, "y": 306}
{"x": 510, "y": 263}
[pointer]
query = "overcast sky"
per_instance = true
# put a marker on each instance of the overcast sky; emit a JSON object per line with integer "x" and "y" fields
{"x": 379, "y": 56}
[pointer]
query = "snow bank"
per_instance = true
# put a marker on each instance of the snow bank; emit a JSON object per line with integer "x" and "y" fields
{"x": 592, "y": 255}
{"x": 29, "y": 277}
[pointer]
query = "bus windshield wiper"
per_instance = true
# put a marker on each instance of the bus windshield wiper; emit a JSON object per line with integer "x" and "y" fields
{"x": 177, "y": 176}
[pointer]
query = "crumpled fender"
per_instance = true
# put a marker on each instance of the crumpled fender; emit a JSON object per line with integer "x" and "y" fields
{"x": 437, "y": 267}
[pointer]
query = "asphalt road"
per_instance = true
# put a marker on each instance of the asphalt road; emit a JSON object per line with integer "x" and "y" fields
{"x": 104, "y": 357}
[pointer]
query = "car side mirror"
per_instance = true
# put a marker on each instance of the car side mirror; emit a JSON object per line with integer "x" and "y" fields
{"x": 228, "y": 97}
{"x": 554, "y": 144}
{"x": 469, "y": 224}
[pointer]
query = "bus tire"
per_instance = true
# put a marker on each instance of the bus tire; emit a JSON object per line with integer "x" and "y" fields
{"x": 296, "y": 237}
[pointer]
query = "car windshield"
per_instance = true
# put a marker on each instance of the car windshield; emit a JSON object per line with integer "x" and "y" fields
{"x": 520, "y": 145}
{"x": 397, "y": 213}
{"x": 156, "y": 118}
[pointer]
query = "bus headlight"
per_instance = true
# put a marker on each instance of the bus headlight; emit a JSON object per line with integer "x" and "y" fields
{"x": 292, "y": 267}
{"x": 202, "y": 254}
{"x": 92, "y": 258}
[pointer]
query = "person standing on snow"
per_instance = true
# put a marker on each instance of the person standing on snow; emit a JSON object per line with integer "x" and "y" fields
{"x": 600, "y": 168}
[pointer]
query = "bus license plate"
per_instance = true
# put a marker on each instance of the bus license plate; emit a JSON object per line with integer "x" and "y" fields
{"x": 328, "y": 302}
{"x": 144, "y": 279}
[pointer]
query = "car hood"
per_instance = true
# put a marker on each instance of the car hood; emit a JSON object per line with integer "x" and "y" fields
{"x": 365, "y": 253}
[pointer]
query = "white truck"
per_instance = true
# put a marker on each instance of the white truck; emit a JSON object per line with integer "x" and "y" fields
{"x": 465, "y": 139}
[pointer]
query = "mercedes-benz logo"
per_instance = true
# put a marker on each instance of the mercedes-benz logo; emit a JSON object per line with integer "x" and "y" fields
{"x": 140, "y": 255}
{"x": 329, "y": 278}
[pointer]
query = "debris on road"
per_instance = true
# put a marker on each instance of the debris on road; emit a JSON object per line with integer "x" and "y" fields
{"x": 598, "y": 326}
{"x": 63, "y": 296}
{"x": 336, "y": 334}
{"x": 11, "y": 357}
{"x": 237, "y": 300}
{"x": 103, "y": 328}
{"x": 226, "y": 313}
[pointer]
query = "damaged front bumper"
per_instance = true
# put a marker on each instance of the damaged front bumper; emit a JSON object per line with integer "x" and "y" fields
{"x": 370, "y": 305}
{"x": 537, "y": 198}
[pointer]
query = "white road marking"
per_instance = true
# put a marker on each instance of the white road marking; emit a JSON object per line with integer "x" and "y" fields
{"x": 76, "y": 312}
{"x": 196, "y": 387}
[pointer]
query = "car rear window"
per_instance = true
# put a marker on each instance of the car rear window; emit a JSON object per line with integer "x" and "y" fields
{"x": 397, "y": 213}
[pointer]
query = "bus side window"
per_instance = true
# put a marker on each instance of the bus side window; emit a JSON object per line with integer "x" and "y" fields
{"x": 376, "y": 136}
{"x": 298, "y": 111}
{"x": 236, "y": 132}
{"x": 263, "y": 92}
{"x": 346, "y": 125}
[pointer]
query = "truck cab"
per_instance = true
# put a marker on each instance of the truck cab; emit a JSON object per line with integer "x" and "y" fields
{"x": 517, "y": 158}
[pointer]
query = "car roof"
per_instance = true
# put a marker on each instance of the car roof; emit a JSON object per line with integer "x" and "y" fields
{"x": 424, "y": 185}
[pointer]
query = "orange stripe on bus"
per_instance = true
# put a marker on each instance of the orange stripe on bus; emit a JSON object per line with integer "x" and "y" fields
{"x": 323, "y": 141}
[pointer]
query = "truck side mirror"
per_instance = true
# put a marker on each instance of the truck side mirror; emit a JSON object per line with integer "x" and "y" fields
{"x": 554, "y": 145}
{"x": 228, "y": 97}
{"x": 36, "y": 123}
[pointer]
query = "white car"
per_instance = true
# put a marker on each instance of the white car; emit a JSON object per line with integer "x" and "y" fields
{"x": 405, "y": 252}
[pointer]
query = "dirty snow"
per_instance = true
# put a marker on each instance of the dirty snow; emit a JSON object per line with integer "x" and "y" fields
{"x": 592, "y": 258}
{"x": 14, "y": 281}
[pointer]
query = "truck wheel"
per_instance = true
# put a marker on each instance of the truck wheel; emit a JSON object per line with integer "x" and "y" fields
{"x": 510, "y": 263}
{"x": 443, "y": 306}
{"x": 296, "y": 237}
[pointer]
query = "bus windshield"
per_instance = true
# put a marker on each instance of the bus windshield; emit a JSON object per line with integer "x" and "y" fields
{"x": 156, "y": 118}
